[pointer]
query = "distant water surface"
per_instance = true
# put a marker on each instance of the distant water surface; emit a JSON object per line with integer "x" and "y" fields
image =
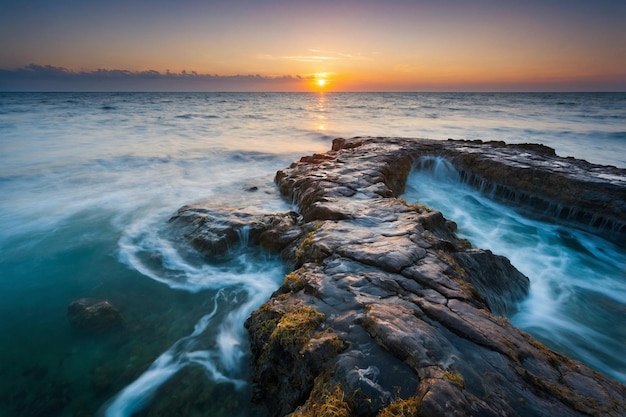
{"x": 88, "y": 182}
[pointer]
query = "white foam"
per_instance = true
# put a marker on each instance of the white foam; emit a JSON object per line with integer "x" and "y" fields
{"x": 136, "y": 395}
{"x": 568, "y": 269}
{"x": 145, "y": 250}
{"x": 221, "y": 360}
{"x": 243, "y": 284}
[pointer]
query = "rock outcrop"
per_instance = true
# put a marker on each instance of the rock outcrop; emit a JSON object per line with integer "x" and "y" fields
{"x": 387, "y": 312}
{"x": 94, "y": 316}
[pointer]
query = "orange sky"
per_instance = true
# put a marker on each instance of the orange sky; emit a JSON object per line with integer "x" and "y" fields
{"x": 367, "y": 45}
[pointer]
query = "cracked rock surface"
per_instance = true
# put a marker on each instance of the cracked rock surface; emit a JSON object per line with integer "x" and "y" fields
{"x": 386, "y": 311}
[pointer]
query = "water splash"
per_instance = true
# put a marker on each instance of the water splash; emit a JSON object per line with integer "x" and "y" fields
{"x": 438, "y": 167}
{"x": 244, "y": 235}
{"x": 136, "y": 395}
{"x": 578, "y": 283}
{"x": 218, "y": 342}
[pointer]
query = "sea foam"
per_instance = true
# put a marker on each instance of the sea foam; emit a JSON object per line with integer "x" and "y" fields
{"x": 570, "y": 270}
{"x": 241, "y": 285}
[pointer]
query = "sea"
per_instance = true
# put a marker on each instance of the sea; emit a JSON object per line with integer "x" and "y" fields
{"x": 88, "y": 182}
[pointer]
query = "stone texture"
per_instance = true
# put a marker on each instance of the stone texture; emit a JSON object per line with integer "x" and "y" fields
{"x": 214, "y": 231}
{"x": 388, "y": 310}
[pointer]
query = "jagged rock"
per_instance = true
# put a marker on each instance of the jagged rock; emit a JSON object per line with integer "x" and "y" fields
{"x": 214, "y": 231}
{"x": 387, "y": 311}
{"x": 93, "y": 315}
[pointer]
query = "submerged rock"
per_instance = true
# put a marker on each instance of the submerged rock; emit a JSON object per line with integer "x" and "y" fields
{"x": 93, "y": 315}
{"x": 387, "y": 312}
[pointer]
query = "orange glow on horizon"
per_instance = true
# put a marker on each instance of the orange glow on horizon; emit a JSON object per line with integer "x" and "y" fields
{"x": 377, "y": 46}
{"x": 320, "y": 81}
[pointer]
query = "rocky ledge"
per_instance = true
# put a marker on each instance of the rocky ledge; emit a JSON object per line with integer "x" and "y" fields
{"x": 386, "y": 311}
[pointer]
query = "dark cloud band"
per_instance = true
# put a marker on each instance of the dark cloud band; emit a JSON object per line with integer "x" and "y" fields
{"x": 50, "y": 78}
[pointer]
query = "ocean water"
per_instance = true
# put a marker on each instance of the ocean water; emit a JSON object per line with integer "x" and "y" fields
{"x": 577, "y": 300}
{"x": 88, "y": 182}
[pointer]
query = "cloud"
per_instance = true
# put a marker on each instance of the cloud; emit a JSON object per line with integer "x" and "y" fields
{"x": 316, "y": 56}
{"x": 298, "y": 58}
{"x": 50, "y": 78}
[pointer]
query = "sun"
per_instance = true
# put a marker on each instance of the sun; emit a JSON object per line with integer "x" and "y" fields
{"x": 321, "y": 81}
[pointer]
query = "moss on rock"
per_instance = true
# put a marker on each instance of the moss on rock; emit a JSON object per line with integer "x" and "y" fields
{"x": 326, "y": 400}
{"x": 297, "y": 326}
{"x": 402, "y": 408}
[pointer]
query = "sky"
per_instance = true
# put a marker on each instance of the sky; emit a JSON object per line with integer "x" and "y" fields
{"x": 294, "y": 45}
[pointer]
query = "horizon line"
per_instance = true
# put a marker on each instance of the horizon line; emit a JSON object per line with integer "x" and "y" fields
{"x": 312, "y": 92}
{"x": 50, "y": 78}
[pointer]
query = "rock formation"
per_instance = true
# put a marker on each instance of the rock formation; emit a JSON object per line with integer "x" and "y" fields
{"x": 93, "y": 315}
{"x": 387, "y": 312}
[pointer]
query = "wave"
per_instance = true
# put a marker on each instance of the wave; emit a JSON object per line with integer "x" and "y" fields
{"x": 196, "y": 116}
{"x": 221, "y": 358}
{"x": 617, "y": 135}
{"x": 42, "y": 196}
{"x": 217, "y": 343}
{"x": 147, "y": 247}
{"x": 578, "y": 286}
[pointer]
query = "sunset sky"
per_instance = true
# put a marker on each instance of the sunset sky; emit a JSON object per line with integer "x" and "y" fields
{"x": 276, "y": 45}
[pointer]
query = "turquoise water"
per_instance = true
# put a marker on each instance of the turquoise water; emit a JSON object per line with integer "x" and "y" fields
{"x": 88, "y": 182}
{"x": 577, "y": 300}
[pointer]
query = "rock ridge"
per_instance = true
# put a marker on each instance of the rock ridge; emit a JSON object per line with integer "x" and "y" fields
{"x": 386, "y": 311}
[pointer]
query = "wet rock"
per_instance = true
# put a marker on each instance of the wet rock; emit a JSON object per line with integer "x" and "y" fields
{"x": 94, "y": 315}
{"x": 482, "y": 267}
{"x": 216, "y": 231}
{"x": 569, "y": 190}
{"x": 387, "y": 310}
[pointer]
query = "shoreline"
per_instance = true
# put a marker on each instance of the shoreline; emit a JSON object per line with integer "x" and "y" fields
{"x": 378, "y": 284}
